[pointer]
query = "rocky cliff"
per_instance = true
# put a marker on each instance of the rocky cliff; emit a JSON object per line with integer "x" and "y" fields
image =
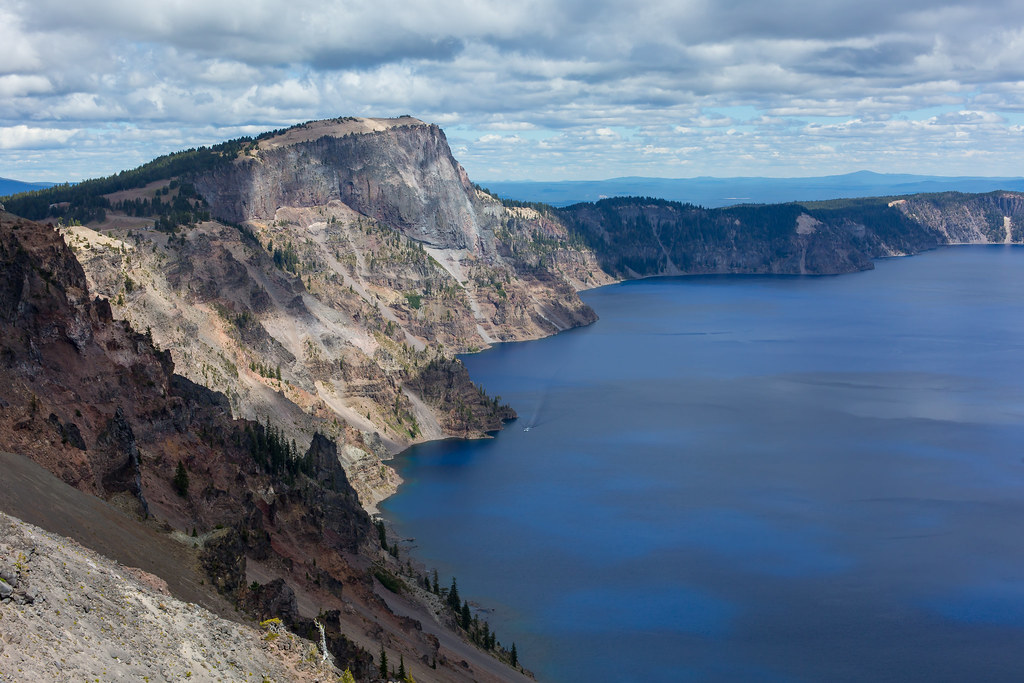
{"x": 992, "y": 218}
{"x": 351, "y": 258}
{"x": 276, "y": 528}
{"x": 638, "y": 237}
{"x": 396, "y": 171}
{"x": 641, "y": 237}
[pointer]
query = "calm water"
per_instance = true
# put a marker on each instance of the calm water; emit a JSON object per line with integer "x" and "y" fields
{"x": 746, "y": 478}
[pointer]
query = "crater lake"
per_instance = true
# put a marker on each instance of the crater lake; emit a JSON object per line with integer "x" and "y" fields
{"x": 750, "y": 478}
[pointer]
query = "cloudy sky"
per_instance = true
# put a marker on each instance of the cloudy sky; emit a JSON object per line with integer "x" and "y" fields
{"x": 534, "y": 89}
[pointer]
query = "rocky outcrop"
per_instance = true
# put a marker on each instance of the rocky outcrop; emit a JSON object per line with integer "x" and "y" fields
{"x": 403, "y": 176}
{"x": 445, "y": 384}
{"x": 120, "y": 469}
{"x": 223, "y": 559}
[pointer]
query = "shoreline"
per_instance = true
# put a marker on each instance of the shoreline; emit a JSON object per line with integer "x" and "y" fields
{"x": 375, "y": 511}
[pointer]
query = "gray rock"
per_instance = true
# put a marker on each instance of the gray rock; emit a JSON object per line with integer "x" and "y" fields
{"x": 5, "y": 589}
{"x": 118, "y": 653}
{"x": 9, "y": 575}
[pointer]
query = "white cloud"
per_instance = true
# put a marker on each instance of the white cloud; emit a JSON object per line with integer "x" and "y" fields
{"x": 17, "y": 85}
{"x": 23, "y": 137}
{"x": 589, "y": 89}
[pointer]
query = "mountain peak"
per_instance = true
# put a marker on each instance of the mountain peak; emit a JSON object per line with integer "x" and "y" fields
{"x": 338, "y": 128}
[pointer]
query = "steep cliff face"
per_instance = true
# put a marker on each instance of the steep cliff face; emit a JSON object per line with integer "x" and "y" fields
{"x": 393, "y": 175}
{"x": 97, "y": 404}
{"x": 636, "y": 237}
{"x": 400, "y": 173}
{"x": 277, "y": 527}
{"x": 73, "y": 374}
{"x": 993, "y": 218}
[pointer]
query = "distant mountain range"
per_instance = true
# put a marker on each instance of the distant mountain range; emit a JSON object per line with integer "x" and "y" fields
{"x": 9, "y": 186}
{"x": 718, "y": 192}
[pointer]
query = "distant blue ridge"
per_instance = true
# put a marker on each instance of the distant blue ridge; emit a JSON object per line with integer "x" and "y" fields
{"x": 9, "y": 186}
{"x": 717, "y": 192}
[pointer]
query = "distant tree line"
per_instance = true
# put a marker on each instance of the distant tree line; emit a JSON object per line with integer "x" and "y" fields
{"x": 85, "y": 202}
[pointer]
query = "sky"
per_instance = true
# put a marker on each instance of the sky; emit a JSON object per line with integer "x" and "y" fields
{"x": 534, "y": 89}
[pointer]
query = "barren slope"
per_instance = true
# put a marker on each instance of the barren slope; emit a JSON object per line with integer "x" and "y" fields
{"x": 76, "y": 615}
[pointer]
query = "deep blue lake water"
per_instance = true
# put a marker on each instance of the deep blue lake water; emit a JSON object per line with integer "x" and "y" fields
{"x": 751, "y": 478}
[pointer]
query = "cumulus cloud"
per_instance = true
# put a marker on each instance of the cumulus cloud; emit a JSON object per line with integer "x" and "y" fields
{"x": 24, "y": 137}
{"x": 540, "y": 88}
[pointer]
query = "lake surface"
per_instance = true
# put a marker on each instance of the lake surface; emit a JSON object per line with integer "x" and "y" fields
{"x": 751, "y": 478}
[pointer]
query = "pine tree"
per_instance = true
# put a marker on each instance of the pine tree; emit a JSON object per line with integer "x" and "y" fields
{"x": 383, "y": 663}
{"x": 347, "y": 677}
{"x": 466, "y": 618}
{"x": 515, "y": 656}
{"x": 436, "y": 588}
{"x": 401, "y": 667}
{"x": 453, "y": 596}
{"x": 181, "y": 480}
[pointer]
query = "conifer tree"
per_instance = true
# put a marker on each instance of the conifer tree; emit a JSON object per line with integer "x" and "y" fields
{"x": 383, "y": 663}
{"x": 515, "y": 656}
{"x": 181, "y": 480}
{"x": 453, "y": 596}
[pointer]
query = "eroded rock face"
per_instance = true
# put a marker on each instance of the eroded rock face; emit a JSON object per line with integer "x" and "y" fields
{"x": 122, "y": 468}
{"x": 403, "y": 176}
{"x": 992, "y": 218}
